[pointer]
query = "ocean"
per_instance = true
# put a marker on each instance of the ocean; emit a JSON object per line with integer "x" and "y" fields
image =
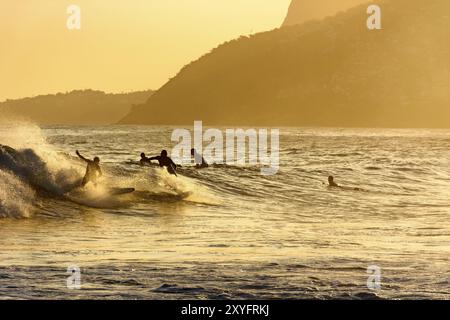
{"x": 225, "y": 232}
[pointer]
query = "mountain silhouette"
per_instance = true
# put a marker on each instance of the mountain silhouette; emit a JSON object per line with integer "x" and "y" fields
{"x": 333, "y": 72}
{"x": 77, "y": 107}
{"x": 301, "y": 11}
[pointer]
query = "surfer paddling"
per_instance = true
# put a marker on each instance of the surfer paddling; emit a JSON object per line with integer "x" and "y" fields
{"x": 332, "y": 184}
{"x": 165, "y": 161}
{"x": 144, "y": 160}
{"x": 93, "y": 170}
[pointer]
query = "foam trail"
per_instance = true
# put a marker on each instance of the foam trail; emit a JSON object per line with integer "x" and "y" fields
{"x": 96, "y": 197}
{"x": 187, "y": 187}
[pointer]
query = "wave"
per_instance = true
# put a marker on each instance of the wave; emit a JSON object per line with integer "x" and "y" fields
{"x": 30, "y": 174}
{"x": 27, "y": 175}
{"x": 27, "y": 165}
{"x": 24, "y": 175}
{"x": 42, "y": 171}
{"x": 16, "y": 197}
{"x": 218, "y": 177}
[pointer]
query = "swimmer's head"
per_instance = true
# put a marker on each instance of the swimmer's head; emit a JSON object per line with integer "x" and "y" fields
{"x": 97, "y": 160}
{"x": 164, "y": 153}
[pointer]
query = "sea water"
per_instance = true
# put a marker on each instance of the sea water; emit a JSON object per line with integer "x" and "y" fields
{"x": 226, "y": 231}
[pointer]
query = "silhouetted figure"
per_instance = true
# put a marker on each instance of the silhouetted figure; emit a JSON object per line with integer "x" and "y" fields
{"x": 93, "y": 170}
{"x": 200, "y": 162}
{"x": 145, "y": 160}
{"x": 331, "y": 182}
{"x": 165, "y": 161}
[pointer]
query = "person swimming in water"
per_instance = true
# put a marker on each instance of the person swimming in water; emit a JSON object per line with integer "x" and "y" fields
{"x": 331, "y": 182}
{"x": 200, "y": 162}
{"x": 165, "y": 161}
{"x": 144, "y": 160}
{"x": 93, "y": 170}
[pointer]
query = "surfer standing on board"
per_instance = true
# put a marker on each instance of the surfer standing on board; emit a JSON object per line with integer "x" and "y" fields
{"x": 165, "y": 161}
{"x": 93, "y": 170}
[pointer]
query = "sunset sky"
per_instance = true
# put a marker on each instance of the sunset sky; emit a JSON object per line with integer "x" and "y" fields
{"x": 122, "y": 45}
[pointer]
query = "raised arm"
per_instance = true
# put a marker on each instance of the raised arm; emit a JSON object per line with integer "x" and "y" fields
{"x": 81, "y": 157}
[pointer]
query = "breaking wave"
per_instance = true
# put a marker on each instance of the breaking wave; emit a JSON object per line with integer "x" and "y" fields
{"x": 30, "y": 169}
{"x": 16, "y": 197}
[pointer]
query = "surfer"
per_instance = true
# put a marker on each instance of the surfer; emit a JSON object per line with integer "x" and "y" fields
{"x": 93, "y": 170}
{"x": 200, "y": 162}
{"x": 144, "y": 160}
{"x": 331, "y": 182}
{"x": 165, "y": 161}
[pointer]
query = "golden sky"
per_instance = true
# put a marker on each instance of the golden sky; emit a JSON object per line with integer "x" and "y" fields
{"x": 123, "y": 45}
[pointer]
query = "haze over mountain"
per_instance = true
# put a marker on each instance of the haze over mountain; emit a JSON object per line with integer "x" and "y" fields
{"x": 334, "y": 72}
{"x": 301, "y": 11}
{"x": 79, "y": 107}
{"x": 122, "y": 45}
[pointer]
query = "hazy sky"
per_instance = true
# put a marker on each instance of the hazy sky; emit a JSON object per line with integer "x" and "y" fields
{"x": 123, "y": 45}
